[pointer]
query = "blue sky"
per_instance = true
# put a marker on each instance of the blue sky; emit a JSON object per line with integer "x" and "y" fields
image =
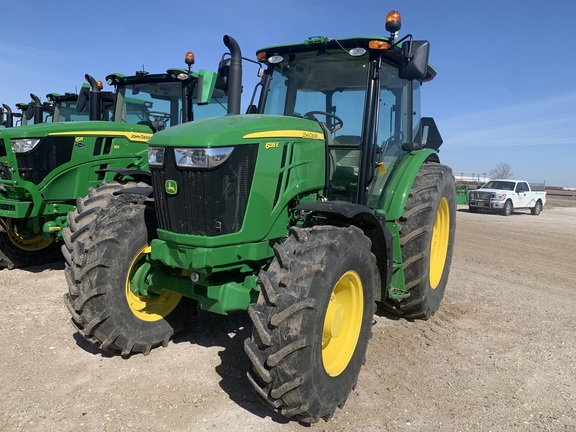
{"x": 505, "y": 89}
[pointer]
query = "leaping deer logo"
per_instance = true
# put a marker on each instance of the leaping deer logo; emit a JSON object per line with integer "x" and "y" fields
{"x": 171, "y": 187}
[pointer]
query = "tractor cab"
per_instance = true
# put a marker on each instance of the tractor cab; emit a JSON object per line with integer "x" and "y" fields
{"x": 74, "y": 107}
{"x": 354, "y": 89}
{"x": 160, "y": 101}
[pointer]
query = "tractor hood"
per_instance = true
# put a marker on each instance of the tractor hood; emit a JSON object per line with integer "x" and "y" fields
{"x": 101, "y": 128}
{"x": 237, "y": 129}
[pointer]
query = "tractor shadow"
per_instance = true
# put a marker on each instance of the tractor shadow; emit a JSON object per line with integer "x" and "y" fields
{"x": 229, "y": 332}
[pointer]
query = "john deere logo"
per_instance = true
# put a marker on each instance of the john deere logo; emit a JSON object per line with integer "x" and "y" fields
{"x": 171, "y": 187}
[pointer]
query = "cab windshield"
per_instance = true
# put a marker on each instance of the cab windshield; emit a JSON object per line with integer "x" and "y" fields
{"x": 332, "y": 87}
{"x": 159, "y": 104}
{"x": 67, "y": 111}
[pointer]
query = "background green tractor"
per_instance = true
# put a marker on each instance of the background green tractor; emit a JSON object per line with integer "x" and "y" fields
{"x": 45, "y": 167}
{"x": 324, "y": 203}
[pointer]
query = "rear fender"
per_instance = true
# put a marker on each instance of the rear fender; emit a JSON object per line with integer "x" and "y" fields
{"x": 403, "y": 178}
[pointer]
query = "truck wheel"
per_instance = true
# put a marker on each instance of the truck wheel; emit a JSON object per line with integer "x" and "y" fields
{"x": 473, "y": 209}
{"x": 537, "y": 208}
{"x": 312, "y": 321}
{"x": 427, "y": 240}
{"x": 508, "y": 208}
{"x": 102, "y": 263}
{"x": 18, "y": 248}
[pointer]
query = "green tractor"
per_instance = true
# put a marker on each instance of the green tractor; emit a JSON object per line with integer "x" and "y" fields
{"x": 45, "y": 167}
{"x": 321, "y": 206}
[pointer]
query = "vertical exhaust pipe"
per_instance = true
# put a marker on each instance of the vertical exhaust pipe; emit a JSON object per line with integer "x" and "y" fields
{"x": 94, "y": 98}
{"x": 235, "y": 75}
{"x": 9, "y": 116}
{"x": 36, "y": 110}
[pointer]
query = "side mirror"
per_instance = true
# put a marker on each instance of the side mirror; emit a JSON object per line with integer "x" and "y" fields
{"x": 207, "y": 81}
{"x": 82, "y": 98}
{"x": 428, "y": 134}
{"x": 414, "y": 65}
{"x": 223, "y": 74}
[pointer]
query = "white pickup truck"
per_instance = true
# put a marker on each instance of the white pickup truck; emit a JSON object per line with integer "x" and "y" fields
{"x": 504, "y": 196}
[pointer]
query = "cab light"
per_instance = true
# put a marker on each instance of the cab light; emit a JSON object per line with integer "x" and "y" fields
{"x": 378, "y": 45}
{"x": 202, "y": 157}
{"x": 261, "y": 56}
{"x": 393, "y": 21}
{"x": 24, "y": 145}
{"x": 189, "y": 58}
{"x": 357, "y": 52}
{"x": 100, "y": 85}
{"x": 275, "y": 59}
{"x": 156, "y": 156}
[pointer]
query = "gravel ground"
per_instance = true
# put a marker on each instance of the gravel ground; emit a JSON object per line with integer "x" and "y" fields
{"x": 498, "y": 356}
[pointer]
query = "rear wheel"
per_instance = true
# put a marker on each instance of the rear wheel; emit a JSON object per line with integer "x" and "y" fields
{"x": 19, "y": 247}
{"x": 427, "y": 230}
{"x": 103, "y": 261}
{"x": 537, "y": 208}
{"x": 312, "y": 321}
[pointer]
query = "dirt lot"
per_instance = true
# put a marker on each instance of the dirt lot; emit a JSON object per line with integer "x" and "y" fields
{"x": 499, "y": 355}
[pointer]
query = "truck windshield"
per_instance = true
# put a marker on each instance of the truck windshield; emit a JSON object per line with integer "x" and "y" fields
{"x": 498, "y": 184}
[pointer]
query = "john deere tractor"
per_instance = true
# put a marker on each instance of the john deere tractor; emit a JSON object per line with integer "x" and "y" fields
{"x": 45, "y": 167}
{"x": 326, "y": 203}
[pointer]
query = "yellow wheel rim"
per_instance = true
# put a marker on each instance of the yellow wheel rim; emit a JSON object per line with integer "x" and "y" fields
{"x": 148, "y": 308}
{"x": 342, "y": 323}
{"x": 439, "y": 244}
{"x": 26, "y": 242}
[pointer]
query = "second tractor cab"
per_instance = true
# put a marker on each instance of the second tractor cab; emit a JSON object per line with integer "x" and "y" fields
{"x": 45, "y": 167}
{"x": 325, "y": 202}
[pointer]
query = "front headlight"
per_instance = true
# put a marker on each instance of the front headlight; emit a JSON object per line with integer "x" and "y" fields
{"x": 24, "y": 145}
{"x": 202, "y": 157}
{"x": 156, "y": 156}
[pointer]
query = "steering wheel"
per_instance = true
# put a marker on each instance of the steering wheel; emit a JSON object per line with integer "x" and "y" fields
{"x": 159, "y": 116}
{"x": 333, "y": 127}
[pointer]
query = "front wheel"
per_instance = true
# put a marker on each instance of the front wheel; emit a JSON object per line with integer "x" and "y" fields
{"x": 508, "y": 208}
{"x": 312, "y": 321}
{"x": 104, "y": 260}
{"x": 427, "y": 230}
{"x": 20, "y": 247}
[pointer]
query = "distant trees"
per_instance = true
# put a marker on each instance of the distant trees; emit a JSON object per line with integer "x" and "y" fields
{"x": 502, "y": 171}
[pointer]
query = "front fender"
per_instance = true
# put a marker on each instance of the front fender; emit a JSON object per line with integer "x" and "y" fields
{"x": 373, "y": 225}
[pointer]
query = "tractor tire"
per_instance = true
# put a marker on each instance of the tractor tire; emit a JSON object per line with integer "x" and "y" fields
{"x": 537, "y": 208}
{"x": 103, "y": 252}
{"x": 312, "y": 321}
{"x": 20, "y": 250}
{"x": 80, "y": 221}
{"x": 427, "y": 230}
{"x": 508, "y": 208}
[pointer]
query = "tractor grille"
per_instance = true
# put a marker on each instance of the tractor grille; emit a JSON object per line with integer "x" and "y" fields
{"x": 49, "y": 154}
{"x": 209, "y": 202}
